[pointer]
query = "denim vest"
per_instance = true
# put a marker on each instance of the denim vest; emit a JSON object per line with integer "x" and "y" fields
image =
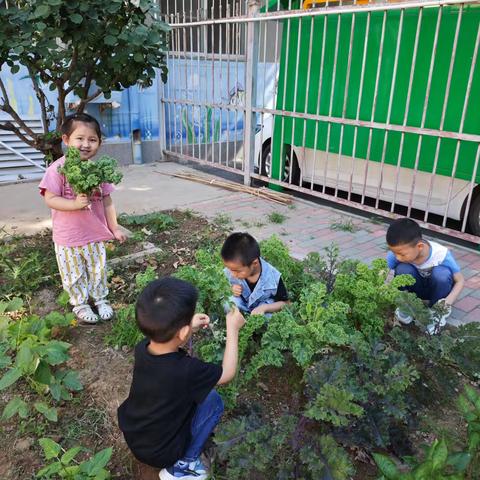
{"x": 264, "y": 290}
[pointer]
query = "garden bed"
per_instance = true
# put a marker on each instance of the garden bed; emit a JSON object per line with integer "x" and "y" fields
{"x": 323, "y": 385}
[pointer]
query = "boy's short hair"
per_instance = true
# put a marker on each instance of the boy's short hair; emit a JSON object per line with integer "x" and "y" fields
{"x": 240, "y": 247}
{"x": 404, "y": 231}
{"x": 164, "y": 307}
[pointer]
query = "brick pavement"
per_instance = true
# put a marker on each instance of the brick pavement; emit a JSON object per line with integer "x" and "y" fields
{"x": 308, "y": 228}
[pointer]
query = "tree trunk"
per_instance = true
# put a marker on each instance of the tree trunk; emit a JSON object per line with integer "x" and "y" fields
{"x": 52, "y": 149}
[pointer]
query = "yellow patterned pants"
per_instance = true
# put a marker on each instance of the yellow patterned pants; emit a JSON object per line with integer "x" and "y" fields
{"x": 83, "y": 271}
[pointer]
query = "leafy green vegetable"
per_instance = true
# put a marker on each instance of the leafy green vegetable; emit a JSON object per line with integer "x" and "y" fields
{"x": 85, "y": 176}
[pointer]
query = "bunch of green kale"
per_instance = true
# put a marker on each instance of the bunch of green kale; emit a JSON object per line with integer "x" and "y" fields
{"x": 85, "y": 176}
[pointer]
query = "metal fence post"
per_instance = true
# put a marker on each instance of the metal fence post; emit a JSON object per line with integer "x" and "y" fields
{"x": 250, "y": 92}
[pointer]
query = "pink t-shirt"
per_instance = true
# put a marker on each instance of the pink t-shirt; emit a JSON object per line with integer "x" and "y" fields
{"x": 77, "y": 227}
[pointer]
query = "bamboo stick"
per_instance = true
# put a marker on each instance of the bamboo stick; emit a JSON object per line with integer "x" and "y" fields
{"x": 262, "y": 192}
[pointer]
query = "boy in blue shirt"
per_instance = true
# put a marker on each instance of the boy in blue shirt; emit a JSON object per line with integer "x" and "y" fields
{"x": 172, "y": 408}
{"x": 257, "y": 286}
{"x": 436, "y": 273}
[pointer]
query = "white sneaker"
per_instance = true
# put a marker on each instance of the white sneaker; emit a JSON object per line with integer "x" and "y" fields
{"x": 435, "y": 327}
{"x": 403, "y": 317}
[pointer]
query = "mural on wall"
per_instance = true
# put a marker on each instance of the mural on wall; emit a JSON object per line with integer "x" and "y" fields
{"x": 125, "y": 111}
{"x": 22, "y": 95}
{"x": 206, "y": 82}
{"x": 137, "y": 108}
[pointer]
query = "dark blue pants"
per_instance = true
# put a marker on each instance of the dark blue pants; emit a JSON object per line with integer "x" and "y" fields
{"x": 204, "y": 421}
{"x": 438, "y": 285}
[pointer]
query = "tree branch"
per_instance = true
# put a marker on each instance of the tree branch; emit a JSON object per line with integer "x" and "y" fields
{"x": 41, "y": 99}
{"x": 61, "y": 105}
{"x": 68, "y": 73}
{"x": 71, "y": 86}
{"x": 86, "y": 88}
{"x": 10, "y": 127}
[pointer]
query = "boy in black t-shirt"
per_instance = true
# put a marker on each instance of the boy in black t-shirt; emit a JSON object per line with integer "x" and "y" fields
{"x": 172, "y": 408}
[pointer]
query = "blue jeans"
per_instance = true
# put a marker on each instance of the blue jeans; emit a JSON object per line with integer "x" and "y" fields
{"x": 438, "y": 285}
{"x": 204, "y": 421}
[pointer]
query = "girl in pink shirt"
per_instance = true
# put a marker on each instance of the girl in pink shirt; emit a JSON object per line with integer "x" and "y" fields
{"x": 81, "y": 224}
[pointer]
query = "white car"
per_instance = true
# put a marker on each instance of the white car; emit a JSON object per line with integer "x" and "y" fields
{"x": 364, "y": 178}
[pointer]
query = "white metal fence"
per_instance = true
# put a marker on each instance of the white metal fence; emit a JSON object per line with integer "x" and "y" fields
{"x": 371, "y": 105}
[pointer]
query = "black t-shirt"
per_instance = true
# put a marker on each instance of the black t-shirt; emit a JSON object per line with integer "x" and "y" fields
{"x": 280, "y": 296}
{"x": 157, "y": 415}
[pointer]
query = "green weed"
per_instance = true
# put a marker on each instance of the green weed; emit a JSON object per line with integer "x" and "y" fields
{"x": 276, "y": 217}
{"x": 344, "y": 225}
{"x": 65, "y": 464}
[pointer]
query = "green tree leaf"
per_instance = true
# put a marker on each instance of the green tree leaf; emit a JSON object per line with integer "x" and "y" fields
{"x": 42, "y": 11}
{"x": 76, "y": 18}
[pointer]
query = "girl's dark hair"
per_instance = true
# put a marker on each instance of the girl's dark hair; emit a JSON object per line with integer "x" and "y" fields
{"x": 164, "y": 307}
{"x": 68, "y": 125}
{"x": 404, "y": 231}
{"x": 240, "y": 247}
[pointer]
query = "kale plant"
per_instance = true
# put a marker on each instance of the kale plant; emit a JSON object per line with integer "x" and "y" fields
{"x": 85, "y": 176}
{"x": 370, "y": 297}
{"x": 280, "y": 449}
{"x": 362, "y": 392}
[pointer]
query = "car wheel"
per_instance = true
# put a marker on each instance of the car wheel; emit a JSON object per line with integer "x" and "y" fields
{"x": 474, "y": 215}
{"x": 266, "y": 167}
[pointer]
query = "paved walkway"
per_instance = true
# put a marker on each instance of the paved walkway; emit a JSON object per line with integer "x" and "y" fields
{"x": 306, "y": 227}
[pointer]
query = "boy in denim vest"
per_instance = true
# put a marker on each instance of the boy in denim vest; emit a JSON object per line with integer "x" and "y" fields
{"x": 257, "y": 287}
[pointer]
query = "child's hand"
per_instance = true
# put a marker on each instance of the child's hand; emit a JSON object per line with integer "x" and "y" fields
{"x": 260, "y": 310}
{"x": 81, "y": 201}
{"x": 200, "y": 320}
{"x": 237, "y": 290}
{"x": 119, "y": 235}
{"x": 235, "y": 320}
